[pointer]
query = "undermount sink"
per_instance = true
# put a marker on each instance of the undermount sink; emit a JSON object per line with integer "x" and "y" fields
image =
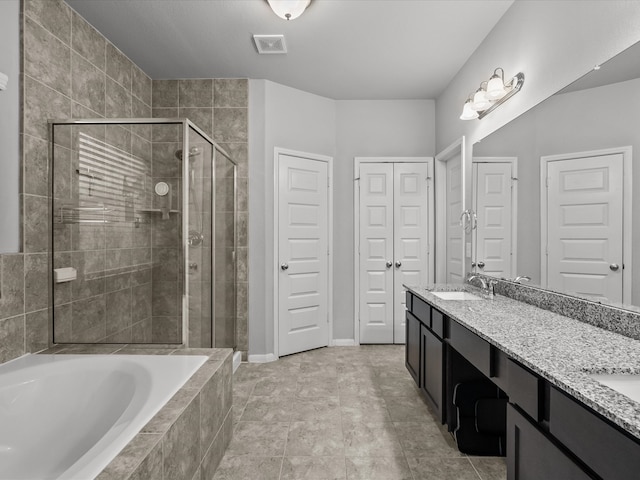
{"x": 626, "y": 384}
{"x": 456, "y": 296}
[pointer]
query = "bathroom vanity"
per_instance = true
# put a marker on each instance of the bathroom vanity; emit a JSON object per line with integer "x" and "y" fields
{"x": 562, "y": 421}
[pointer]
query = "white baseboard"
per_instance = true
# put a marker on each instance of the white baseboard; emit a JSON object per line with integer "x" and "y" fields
{"x": 269, "y": 357}
{"x": 343, "y": 342}
{"x": 237, "y": 360}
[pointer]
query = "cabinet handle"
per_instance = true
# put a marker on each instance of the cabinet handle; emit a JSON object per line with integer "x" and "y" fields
{"x": 398, "y": 263}
{"x": 389, "y": 264}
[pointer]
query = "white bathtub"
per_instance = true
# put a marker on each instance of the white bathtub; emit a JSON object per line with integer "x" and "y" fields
{"x": 67, "y": 416}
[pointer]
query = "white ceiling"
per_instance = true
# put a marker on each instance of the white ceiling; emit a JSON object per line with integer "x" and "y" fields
{"x": 341, "y": 49}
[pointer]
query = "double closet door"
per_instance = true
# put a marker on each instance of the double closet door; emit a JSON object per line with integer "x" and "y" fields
{"x": 392, "y": 245}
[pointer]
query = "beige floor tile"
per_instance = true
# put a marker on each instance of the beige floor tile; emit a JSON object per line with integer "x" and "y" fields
{"x": 258, "y": 439}
{"x": 490, "y": 468}
{"x": 371, "y": 439}
{"x": 313, "y": 468}
{"x": 378, "y": 468}
{"x": 438, "y": 468}
{"x": 364, "y": 409}
{"x": 276, "y": 386}
{"x": 425, "y": 438}
{"x": 267, "y": 409}
{"x": 319, "y": 438}
{"x": 315, "y": 409}
{"x": 248, "y": 467}
{"x": 318, "y": 386}
{"x": 405, "y": 409}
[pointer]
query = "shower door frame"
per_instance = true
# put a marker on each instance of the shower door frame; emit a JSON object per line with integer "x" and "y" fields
{"x": 186, "y": 125}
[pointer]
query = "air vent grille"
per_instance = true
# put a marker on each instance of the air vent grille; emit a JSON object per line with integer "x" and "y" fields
{"x": 270, "y": 44}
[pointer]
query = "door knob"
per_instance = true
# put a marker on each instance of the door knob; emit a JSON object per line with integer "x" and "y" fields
{"x": 398, "y": 263}
{"x": 481, "y": 264}
{"x": 473, "y": 264}
{"x": 389, "y": 264}
{"x": 614, "y": 267}
{"x": 284, "y": 266}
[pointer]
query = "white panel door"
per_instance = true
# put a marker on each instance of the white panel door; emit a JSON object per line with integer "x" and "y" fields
{"x": 493, "y": 204}
{"x": 303, "y": 255}
{"x": 410, "y": 236}
{"x": 584, "y": 226}
{"x": 454, "y": 233}
{"x": 376, "y": 253}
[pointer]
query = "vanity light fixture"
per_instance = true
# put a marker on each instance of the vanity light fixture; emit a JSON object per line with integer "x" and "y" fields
{"x": 288, "y": 9}
{"x": 491, "y": 93}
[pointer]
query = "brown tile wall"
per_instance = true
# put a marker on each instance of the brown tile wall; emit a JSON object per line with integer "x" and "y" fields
{"x": 220, "y": 108}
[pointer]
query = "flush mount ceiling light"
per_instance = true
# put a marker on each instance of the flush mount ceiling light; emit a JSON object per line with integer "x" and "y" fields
{"x": 491, "y": 94}
{"x": 288, "y": 9}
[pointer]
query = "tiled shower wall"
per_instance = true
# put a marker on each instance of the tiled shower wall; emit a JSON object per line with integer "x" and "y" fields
{"x": 220, "y": 108}
{"x": 71, "y": 71}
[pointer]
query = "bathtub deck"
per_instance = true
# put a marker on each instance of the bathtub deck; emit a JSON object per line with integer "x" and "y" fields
{"x": 187, "y": 438}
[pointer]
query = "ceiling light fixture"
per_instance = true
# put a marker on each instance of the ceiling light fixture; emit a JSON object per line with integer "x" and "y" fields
{"x": 491, "y": 94}
{"x": 288, "y": 9}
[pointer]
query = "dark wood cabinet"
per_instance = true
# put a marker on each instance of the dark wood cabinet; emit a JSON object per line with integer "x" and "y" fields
{"x": 431, "y": 370}
{"x": 412, "y": 347}
{"x": 533, "y": 456}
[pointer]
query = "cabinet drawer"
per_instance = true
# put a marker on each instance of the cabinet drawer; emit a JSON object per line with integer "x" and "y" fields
{"x": 422, "y": 310}
{"x": 606, "y": 450}
{"x": 437, "y": 322}
{"x": 532, "y": 456}
{"x": 523, "y": 389}
{"x": 476, "y": 350}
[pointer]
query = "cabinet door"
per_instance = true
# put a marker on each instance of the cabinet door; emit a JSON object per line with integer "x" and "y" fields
{"x": 532, "y": 456}
{"x": 431, "y": 370}
{"x": 412, "y": 348}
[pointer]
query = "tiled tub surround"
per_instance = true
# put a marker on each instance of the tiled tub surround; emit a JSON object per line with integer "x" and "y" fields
{"x": 187, "y": 438}
{"x": 560, "y": 349}
{"x": 47, "y": 394}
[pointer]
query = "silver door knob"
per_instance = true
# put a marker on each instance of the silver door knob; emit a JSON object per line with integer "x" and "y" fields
{"x": 481, "y": 264}
{"x": 389, "y": 264}
{"x": 473, "y": 264}
{"x": 614, "y": 267}
{"x": 284, "y": 266}
{"x": 398, "y": 263}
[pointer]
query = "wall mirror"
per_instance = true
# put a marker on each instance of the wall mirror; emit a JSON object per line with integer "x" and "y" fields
{"x": 554, "y": 189}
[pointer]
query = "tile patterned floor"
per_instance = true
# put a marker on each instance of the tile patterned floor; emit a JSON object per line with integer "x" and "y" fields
{"x": 341, "y": 413}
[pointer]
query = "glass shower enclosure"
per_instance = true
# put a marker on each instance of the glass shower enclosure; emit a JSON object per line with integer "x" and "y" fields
{"x": 144, "y": 233}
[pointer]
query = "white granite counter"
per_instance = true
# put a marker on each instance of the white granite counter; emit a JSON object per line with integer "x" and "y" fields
{"x": 558, "y": 348}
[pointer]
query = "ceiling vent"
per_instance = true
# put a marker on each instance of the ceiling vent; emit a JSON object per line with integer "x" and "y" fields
{"x": 270, "y": 44}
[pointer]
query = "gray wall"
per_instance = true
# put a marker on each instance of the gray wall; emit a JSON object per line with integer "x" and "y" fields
{"x": 9, "y": 126}
{"x": 553, "y": 43}
{"x": 368, "y": 128}
{"x": 592, "y": 119}
{"x": 284, "y": 117}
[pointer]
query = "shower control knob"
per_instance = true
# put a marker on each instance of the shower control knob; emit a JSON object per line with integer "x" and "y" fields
{"x": 284, "y": 266}
{"x": 614, "y": 267}
{"x": 389, "y": 264}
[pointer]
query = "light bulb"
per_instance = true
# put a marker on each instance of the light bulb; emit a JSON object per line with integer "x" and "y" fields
{"x": 288, "y": 9}
{"x": 480, "y": 101}
{"x": 495, "y": 88}
{"x": 468, "y": 113}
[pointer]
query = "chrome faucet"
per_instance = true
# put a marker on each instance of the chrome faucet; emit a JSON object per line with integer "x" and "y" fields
{"x": 488, "y": 287}
{"x": 522, "y": 278}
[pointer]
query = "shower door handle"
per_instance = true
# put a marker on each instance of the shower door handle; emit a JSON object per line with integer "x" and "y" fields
{"x": 284, "y": 266}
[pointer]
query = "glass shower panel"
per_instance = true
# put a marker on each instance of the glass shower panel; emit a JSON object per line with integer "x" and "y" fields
{"x": 224, "y": 334}
{"x": 199, "y": 239}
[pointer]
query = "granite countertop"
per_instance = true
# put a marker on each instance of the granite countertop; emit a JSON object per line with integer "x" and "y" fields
{"x": 560, "y": 349}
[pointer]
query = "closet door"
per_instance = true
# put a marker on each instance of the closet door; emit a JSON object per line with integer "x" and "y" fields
{"x": 410, "y": 243}
{"x": 393, "y": 245}
{"x": 376, "y": 253}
